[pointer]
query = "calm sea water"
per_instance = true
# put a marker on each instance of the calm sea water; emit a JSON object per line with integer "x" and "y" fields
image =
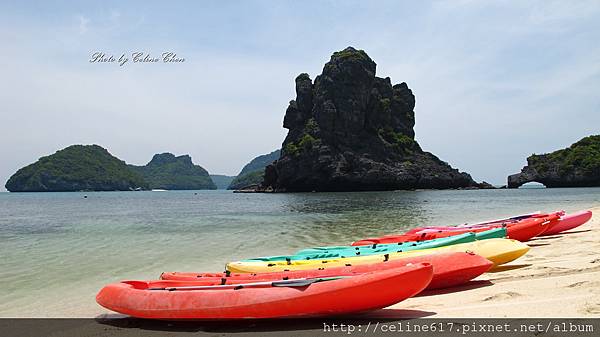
{"x": 58, "y": 249}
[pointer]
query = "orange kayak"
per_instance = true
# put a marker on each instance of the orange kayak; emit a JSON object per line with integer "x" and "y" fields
{"x": 523, "y": 230}
{"x": 449, "y": 270}
{"x": 290, "y": 298}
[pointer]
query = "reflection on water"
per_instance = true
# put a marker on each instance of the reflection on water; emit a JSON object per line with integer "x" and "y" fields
{"x": 74, "y": 245}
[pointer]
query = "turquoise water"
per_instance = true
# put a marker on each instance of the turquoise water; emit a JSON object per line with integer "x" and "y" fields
{"x": 58, "y": 249}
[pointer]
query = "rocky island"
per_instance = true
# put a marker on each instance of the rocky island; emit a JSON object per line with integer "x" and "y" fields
{"x": 76, "y": 168}
{"x": 166, "y": 171}
{"x": 576, "y": 166}
{"x": 350, "y": 130}
{"x": 93, "y": 168}
{"x": 253, "y": 173}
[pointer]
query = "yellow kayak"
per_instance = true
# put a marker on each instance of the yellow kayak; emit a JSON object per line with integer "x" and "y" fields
{"x": 499, "y": 251}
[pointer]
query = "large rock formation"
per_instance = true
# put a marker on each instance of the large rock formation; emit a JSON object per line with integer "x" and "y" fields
{"x": 252, "y": 174}
{"x": 76, "y": 168}
{"x": 353, "y": 131}
{"x": 575, "y": 166}
{"x": 166, "y": 171}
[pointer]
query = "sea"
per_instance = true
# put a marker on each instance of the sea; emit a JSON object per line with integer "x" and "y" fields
{"x": 58, "y": 249}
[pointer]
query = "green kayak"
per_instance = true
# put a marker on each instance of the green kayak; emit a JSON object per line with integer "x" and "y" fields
{"x": 489, "y": 234}
{"x": 349, "y": 251}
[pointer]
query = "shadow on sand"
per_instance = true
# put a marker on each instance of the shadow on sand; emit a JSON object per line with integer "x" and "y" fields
{"x": 502, "y": 268}
{"x": 464, "y": 287}
{"x": 538, "y": 244}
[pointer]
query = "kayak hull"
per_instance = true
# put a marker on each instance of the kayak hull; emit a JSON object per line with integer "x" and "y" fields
{"x": 449, "y": 270}
{"x": 568, "y": 222}
{"x": 335, "y": 297}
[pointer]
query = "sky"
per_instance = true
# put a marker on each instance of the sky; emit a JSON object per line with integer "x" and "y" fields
{"x": 495, "y": 81}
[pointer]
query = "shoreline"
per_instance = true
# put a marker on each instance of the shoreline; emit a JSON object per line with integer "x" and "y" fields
{"x": 550, "y": 265}
{"x": 555, "y": 279}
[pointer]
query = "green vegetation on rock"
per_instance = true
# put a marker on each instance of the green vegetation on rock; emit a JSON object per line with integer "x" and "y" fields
{"x": 575, "y": 166}
{"x": 76, "y": 168}
{"x": 165, "y": 171}
{"x": 253, "y": 172}
{"x": 93, "y": 168}
{"x": 352, "y": 54}
{"x": 248, "y": 179}
{"x": 583, "y": 155}
{"x": 399, "y": 142}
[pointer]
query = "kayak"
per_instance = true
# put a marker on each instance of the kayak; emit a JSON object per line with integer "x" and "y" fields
{"x": 499, "y": 251}
{"x": 349, "y": 251}
{"x": 404, "y": 246}
{"x": 492, "y": 223}
{"x": 449, "y": 270}
{"x": 505, "y": 220}
{"x": 523, "y": 231}
{"x": 569, "y": 221}
{"x": 315, "y": 297}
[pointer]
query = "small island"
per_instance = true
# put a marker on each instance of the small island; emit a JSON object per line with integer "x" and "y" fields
{"x": 168, "y": 172}
{"x": 576, "y": 166}
{"x": 76, "y": 168}
{"x": 93, "y": 168}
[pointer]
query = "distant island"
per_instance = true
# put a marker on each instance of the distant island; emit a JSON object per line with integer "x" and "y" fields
{"x": 77, "y": 168}
{"x": 253, "y": 172}
{"x": 166, "y": 171}
{"x": 93, "y": 168}
{"x": 576, "y": 166}
{"x": 350, "y": 130}
{"x": 222, "y": 181}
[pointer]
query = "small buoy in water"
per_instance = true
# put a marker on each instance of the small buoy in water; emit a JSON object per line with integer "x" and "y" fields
{"x": 85, "y": 196}
{"x": 195, "y": 193}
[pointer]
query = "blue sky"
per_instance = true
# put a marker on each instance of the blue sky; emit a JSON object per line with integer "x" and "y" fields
{"x": 495, "y": 81}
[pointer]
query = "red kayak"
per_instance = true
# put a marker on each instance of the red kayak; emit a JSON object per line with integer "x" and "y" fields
{"x": 568, "y": 222}
{"x": 290, "y": 298}
{"x": 522, "y": 230}
{"x": 449, "y": 269}
{"x": 493, "y": 223}
{"x": 488, "y": 223}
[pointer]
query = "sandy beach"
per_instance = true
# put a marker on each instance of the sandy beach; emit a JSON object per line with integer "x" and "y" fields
{"x": 559, "y": 277}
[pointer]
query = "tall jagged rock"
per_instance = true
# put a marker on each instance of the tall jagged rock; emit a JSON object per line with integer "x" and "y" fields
{"x": 353, "y": 131}
{"x": 575, "y": 166}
